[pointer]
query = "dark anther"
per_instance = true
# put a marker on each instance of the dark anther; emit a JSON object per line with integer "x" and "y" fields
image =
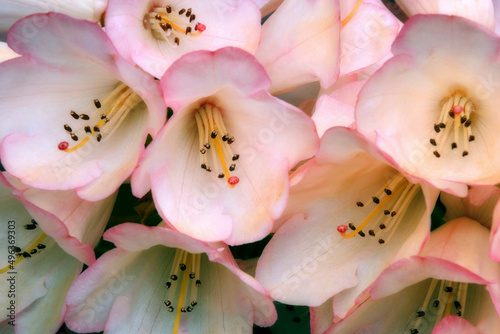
{"x": 197, "y": 283}
{"x": 236, "y": 157}
{"x": 168, "y": 285}
{"x": 463, "y": 119}
{"x": 30, "y": 226}
{"x": 448, "y": 289}
{"x": 17, "y": 249}
{"x": 88, "y": 129}
{"x": 220, "y": 176}
{"x": 387, "y": 212}
{"x": 208, "y": 169}
{"x": 73, "y": 136}
{"x": 381, "y": 241}
{"x": 188, "y": 12}
{"x": 99, "y": 137}
{"x": 362, "y": 234}
{"x": 74, "y": 114}
{"x": 388, "y": 191}
{"x": 436, "y": 128}
{"x": 33, "y": 251}
{"x": 453, "y": 145}
{"x": 468, "y": 123}
{"x": 85, "y": 117}
{"x": 188, "y": 30}
{"x": 203, "y": 151}
{"x": 435, "y": 303}
{"x": 182, "y": 266}
{"x": 213, "y": 134}
{"x": 194, "y": 303}
{"x": 41, "y": 246}
{"x": 465, "y": 153}
{"x": 375, "y": 200}
{"x": 192, "y": 275}
{"x": 371, "y": 232}
{"x": 225, "y": 137}
{"x": 459, "y": 313}
{"x": 163, "y": 26}
{"x": 452, "y": 114}
{"x": 96, "y": 129}
{"x": 26, "y": 254}
{"x": 230, "y": 140}
{"x": 360, "y": 204}
{"x": 189, "y": 309}
{"x": 173, "y": 277}
{"x": 382, "y": 226}
{"x": 442, "y": 125}
{"x": 393, "y": 213}
{"x": 471, "y": 138}
{"x": 169, "y": 9}
{"x": 167, "y": 302}
{"x": 158, "y": 17}
{"x": 170, "y": 309}
{"x": 232, "y": 167}
{"x": 433, "y": 142}
{"x": 457, "y": 304}
{"x": 34, "y": 222}
{"x": 177, "y": 41}
{"x": 204, "y": 166}
{"x": 183, "y": 309}
{"x": 436, "y": 153}
{"x": 68, "y": 128}
{"x": 420, "y": 313}
{"x": 351, "y": 226}
{"x": 182, "y": 11}
{"x": 207, "y": 146}
{"x": 192, "y": 18}
{"x": 413, "y": 331}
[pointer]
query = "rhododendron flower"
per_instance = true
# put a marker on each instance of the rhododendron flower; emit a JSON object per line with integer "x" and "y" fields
{"x": 13, "y": 10}
{"x": 83, "y": 123}
{"x": 218, "y": 170}
{"x": 155, "y": 33}
{"x": 446, "y": 289}
{"x": 35, "y": 246}
{"x": 433, "y": 107}
{"x": 350, "y": 214}
{"x": 154, "y": 287}
{"x": 479, "y": 11}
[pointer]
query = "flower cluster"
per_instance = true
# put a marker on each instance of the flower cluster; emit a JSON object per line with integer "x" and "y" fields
{"x": 335, "y": 128}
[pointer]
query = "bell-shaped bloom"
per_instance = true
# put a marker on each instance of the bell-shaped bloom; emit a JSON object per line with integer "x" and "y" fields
{"x": 146, "y": 285}
{"x": 479, "y": 11}
{"x": 153, "y": 34}
{"x": 40, "y": 256}
{"x": 446, "y": 289}
{"x": 78, "y": 120}
{"x": 300, "y": 44}
{"x": 11, "y": 11}
{"x": 433, "y": 107}
{"x": 350, "y": 215}
{"x": 218, "y": 170}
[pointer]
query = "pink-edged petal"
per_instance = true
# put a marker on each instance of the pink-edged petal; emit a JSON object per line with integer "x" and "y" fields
{"x": 310, "y": 49}
{"x": 136, "y": 237}
{"x": 11, "y": 11}
{"x": 445, "y": 256}
{"x": 479, "y": 11}
{"x": 321, "y": 317}
{"x": 366, "y": 37}
{"x": 337, "y": 108}
{"x": 455, "y": 324}
{"x": 227, "y": 23}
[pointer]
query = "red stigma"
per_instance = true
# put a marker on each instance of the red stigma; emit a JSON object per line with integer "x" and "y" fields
{"x": 201, "y": 28}
{"x": 342, "y": 228}
{"x": 457, "y": 109}
{"x": 63, "y": 145}
{"x": 233, "y": 180}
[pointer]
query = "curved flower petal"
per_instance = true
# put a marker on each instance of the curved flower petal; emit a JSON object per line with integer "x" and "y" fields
{"x": 310, "y": 51}
{"x": 134, "y": 28}
{"x": 98, "y": 150}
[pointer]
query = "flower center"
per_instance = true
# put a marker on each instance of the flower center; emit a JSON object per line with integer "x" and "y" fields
{"x": 101, "y": 122}
{"x": 186, "y": 273}
{"x": 33, "y": 248}
{"x": 212, "y": 134}
{"x": 170, "y": 25}
{"x": 383, "y": 219}
{"x": 442, "y": 299}
{"x": 454, "y": 122}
